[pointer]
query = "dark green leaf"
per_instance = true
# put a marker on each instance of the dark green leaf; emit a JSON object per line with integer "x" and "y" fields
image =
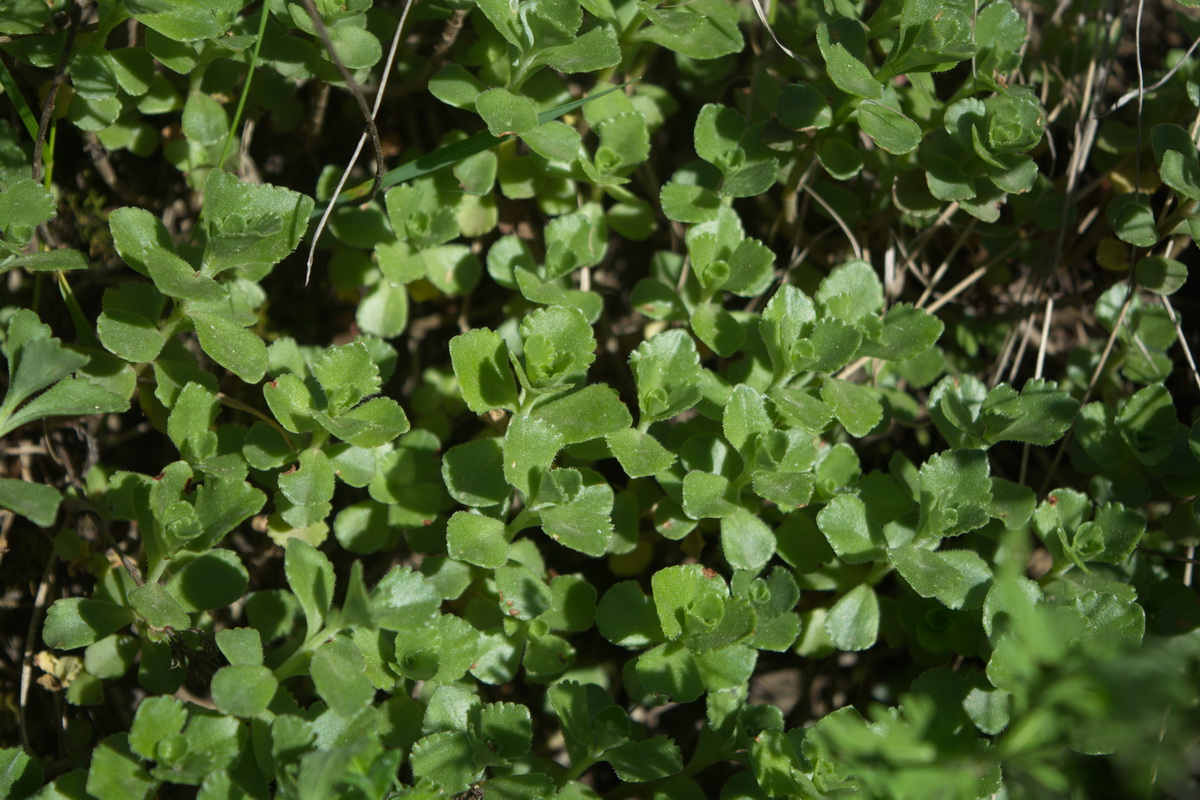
{"x": 36, "y": 502}
{"x": 77, "y": 622}
{"x": 1160, "y": 275}
{"x": 646, "y": 760}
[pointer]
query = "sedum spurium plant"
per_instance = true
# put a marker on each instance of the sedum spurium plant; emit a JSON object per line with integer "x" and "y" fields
{"x": 716, "y": 400}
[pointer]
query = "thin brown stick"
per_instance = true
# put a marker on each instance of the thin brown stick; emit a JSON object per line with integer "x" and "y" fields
{"x": 356, "y": 91}
{"x": 60, "y": 75}
{"x": 337, "y": 190}
{"x": 1095, "y": 379}
{"x": 35, "y": 622}
{"x": 454, "y": 26}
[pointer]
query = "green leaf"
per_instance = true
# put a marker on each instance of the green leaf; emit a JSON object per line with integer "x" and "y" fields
{"x": 35, "y": 359}
{"x": 130, "y": 336}
{"x": 593, "y": 411}
{"x": 452, "y": 268}
{"x": 627, "y": 617}
{"x": 67, "y": 398}
{"x": 311, "y": 483}
{"x": 474, "y": 473}
{"x": 36, "y": 502}
{"x": 204, "y": 119}
{"x": 522, "y": 593}
{"x": 578, "y": 528}
{"x": 193, "y": 414}
{"x": 666, "y": 368}
{"x": 186, "y": 20}
{"x": 718, "y": 329}
{"x": 241, "y": 645}
{"x": 158, "y": 607}
{"x": 447, "y": 759}
{"x": 572, "y": 242}
{"x": 1111, "y": 536}
{"x": 404, "y": 601}
{"x": 47, "y": 261}
{"x": 26, "y": 203}
{"x": 947, "y": 178}
{"x": 647, "y": 760}
{"x": 1012, "y": 503}
{"x": 853, "y": 405}
{"x": 853, "y": 622}
{"x": 840, "y": 159}
{"x": 480, "y": 360}
{"x": 232, "y": 346}
{"x": 639, "y": 454}
{"x": 907, "y": 332}
{"x": 145, "y": 245}
{"x": 115, "y": 774}
{"x": 1040, "y": 414}
{"x": 454, "y": 86}
{"x": 347, "y": 374}
{"x": 111, "y": 657}
{"x": 482, "y": 541}
{"x": 746, "y": 541}
{"x": 851, "y": 292}
{"x": 597, "y": 49}
{"x": 1178, "y": 165}
{"x": 20, "y": 775}
{"x": 157, "y": 719}
{"x": 506, "y": 113}
{"x": 958, "y": 578}
{"x": 847, "y": 72}
{"x": 684, "y": 203}
{"x": 718, "y": 131}
{"x": 559, "y": 346}
{"x": 530, "y": 445}
{"x": 706, "y": 29}
{"x": 706, "y": 495}
{"x": 1000, "y": 34}
{"x": 803, "y": 108}
{"x": 507, "y": 729}
{"x": 310, "y": 575}
{"x": 356, "y": 47}
{"x": 214, "y": 579}
{"x": 788, "y": 490}
{"x": 933, "y": 37}
{"x": 574, "y": 604}
{"x": 374, "y": 423}
{"x": 670, "y": 672}
{"x": 787, "y": 319}
{"x": 337, "y": 671}
{"x": 852, "y": 533}
{"x": 1163, "y": 276}
{"x": 988, "y": 708}
{"x": 1015, "y": 121}
{"x": 955, "y": 492}
{"x": 888, "y": 128}
{"x": 243, "y": 690}
{"x": 77, "y": 622}
{"x": 745, "y": 418}
{"x": 777, "y": 768}
{"x": 681, "y": 588}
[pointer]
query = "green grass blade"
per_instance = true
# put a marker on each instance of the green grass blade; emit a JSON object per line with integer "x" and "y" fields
{"x": 18, "y": 100}
{"x": 453, "y": 153}
{"x": 237, "y": 115}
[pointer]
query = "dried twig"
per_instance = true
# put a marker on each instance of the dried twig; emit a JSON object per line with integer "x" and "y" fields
{"x": 371, "y": 129}
{"x": 60, "y": 75}
{"x": 355, "y": 90}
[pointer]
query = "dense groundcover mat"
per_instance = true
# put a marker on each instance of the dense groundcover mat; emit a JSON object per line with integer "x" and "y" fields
{"x": 709, "y": 399}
